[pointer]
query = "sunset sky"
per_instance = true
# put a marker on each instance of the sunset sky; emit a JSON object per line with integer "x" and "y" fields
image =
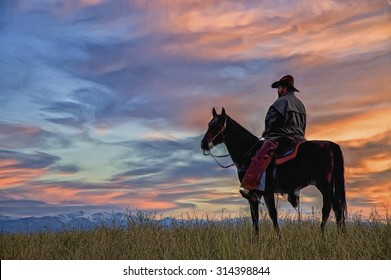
{"x": 104, "y": 102}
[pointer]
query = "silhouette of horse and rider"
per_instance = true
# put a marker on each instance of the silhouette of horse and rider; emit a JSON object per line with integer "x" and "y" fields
{"x": 282, "y": 161}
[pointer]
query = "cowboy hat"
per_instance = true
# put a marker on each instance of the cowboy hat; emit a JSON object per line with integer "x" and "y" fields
{"x": 288, "y": 81}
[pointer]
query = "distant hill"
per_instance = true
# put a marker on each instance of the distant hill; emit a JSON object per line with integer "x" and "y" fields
{"x": 82, "y": 221}
{"x": 78, "y": 220}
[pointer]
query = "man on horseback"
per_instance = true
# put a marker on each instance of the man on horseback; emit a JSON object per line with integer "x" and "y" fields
{"x": 285, "y": 125}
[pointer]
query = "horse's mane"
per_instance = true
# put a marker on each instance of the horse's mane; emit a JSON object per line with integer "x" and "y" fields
{"x": 238, "y": 125}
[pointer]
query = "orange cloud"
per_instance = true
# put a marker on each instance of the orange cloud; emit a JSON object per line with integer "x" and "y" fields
{"x": 233, "y": 30}
{"x": 55, "y": 194}
{"x": 152, "y": 204}
{"x": 358, "y": 126}
{"x": 11, "y": 176}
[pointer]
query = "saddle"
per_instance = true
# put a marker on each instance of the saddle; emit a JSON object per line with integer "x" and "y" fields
{"x": 282, "y": 153}
{"x": 287, "y": 154}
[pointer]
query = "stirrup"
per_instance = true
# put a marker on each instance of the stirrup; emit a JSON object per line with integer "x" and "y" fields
{"x": 249, "y": 194}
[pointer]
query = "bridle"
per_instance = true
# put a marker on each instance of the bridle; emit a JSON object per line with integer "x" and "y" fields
{"x": 209, "y": 153}
{"x": 210, "y": 145}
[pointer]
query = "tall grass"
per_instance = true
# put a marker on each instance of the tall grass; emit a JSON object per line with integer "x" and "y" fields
{"x": 364, "y": 239}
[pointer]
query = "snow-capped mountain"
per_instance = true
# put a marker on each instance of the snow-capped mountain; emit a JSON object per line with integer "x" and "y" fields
{"x": 78, "y": 220}
{"x": 82, "y": 221}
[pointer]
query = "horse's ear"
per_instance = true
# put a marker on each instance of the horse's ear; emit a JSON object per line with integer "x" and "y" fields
{"x": 214, "y": 112}
{"x": 223, "y": 111}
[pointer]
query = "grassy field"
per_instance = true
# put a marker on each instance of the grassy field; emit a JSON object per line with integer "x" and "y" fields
{"x": 364, "y": 239}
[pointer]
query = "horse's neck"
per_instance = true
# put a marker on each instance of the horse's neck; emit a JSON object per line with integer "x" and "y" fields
{"x": 238, "y": 141}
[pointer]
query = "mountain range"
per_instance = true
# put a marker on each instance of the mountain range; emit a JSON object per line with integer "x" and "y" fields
{"x": 83, "y": 221}
{"x": 78, "y": 220}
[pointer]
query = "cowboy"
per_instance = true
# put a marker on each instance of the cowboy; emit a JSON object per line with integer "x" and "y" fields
{"x": 285, "y": 124}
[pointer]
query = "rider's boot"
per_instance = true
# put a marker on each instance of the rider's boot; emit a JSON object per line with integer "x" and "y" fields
{"x": 249, "y": 195}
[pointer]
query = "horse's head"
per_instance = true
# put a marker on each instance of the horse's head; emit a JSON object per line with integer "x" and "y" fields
{"x": 215, "y": 133}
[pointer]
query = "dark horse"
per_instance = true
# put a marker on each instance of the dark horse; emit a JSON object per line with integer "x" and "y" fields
{"x": 318, "y": 163}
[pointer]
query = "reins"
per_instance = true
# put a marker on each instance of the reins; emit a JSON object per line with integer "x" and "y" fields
{"x": 208, "y": 153}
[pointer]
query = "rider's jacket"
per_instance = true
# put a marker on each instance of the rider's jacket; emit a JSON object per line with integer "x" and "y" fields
{"x": 286, "y": 117}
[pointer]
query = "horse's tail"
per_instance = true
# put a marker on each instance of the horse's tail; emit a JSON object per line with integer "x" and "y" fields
{"x": 339, "y": 200}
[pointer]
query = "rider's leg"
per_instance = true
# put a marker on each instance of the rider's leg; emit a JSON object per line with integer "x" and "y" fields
{"x": 262, "y": 182}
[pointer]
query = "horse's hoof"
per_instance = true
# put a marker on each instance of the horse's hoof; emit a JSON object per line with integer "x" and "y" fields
{"x": 294, "y": 200}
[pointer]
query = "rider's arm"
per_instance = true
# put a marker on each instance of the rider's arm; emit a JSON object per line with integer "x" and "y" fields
{"x": 273, "y": 121}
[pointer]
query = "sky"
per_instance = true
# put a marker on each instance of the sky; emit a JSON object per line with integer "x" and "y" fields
{"x": 104, "y": 102}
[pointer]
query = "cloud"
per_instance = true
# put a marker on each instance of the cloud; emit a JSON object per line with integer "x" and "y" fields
{"x": 66, "y": 169}
{"x": 18, "y": 169}
{"x": 368, "y": 172}
{"x": 14, "y": 135}
{"x": 20, "y": 160}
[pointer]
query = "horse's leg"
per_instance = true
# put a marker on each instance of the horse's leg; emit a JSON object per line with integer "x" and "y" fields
{"x": 254, "y": 208}
{"x": 326, "y": 209}
{"x": 339, "y": 215}
{"x": 253, "y": 199}
{"x": 271, "y": 207}
{"x": 341, "y": 224}
{"x": 298, "y": 209}
{"x": 339, "y": 196}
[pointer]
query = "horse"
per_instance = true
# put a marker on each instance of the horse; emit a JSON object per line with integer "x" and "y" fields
{"x": 318, "y": 163}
